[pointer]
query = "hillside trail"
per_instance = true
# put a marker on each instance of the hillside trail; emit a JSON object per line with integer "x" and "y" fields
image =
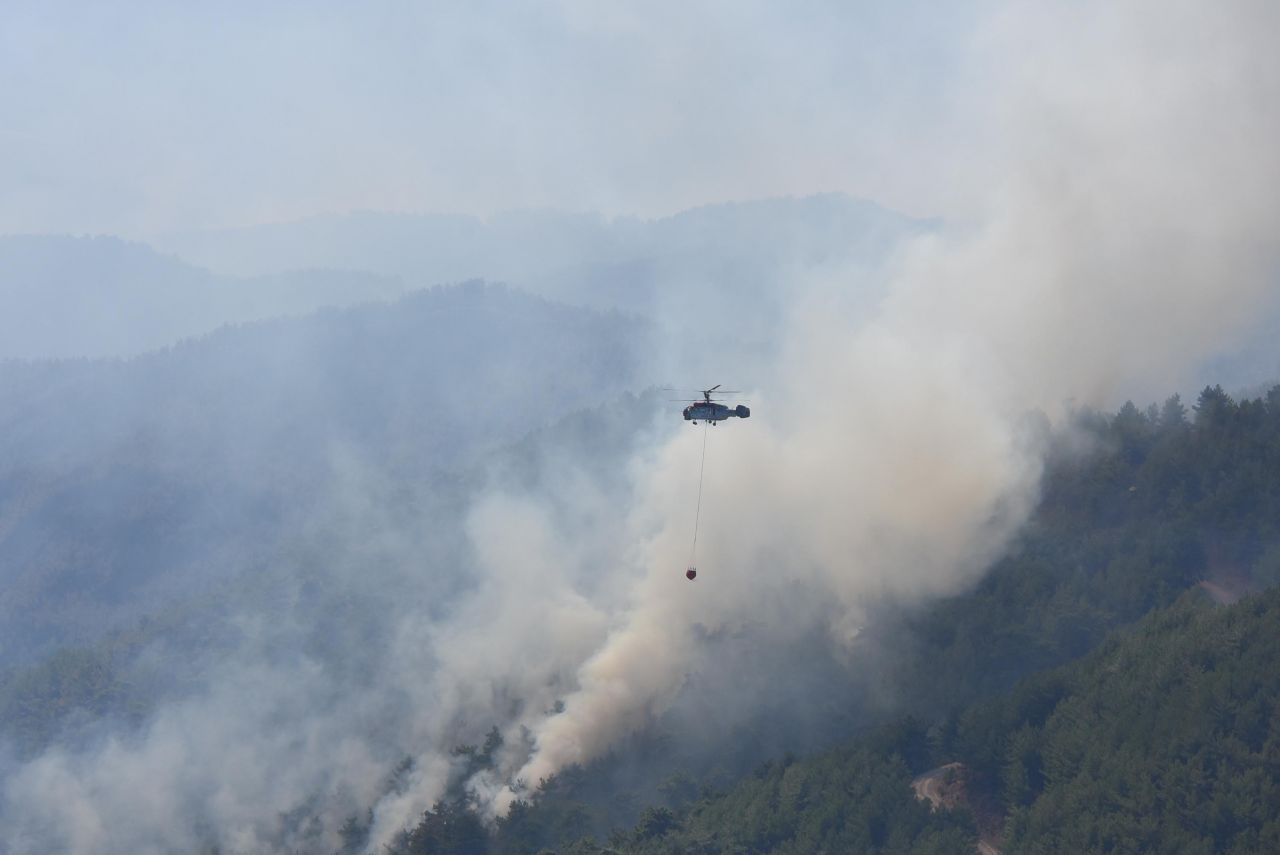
{"x": 945, "y": 788}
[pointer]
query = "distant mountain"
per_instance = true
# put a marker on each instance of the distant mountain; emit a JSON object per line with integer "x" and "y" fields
{"x": 434, "y": 247}
{"x": 63, "y": 296}
{"x": 586, "y": 258}
{"x": 718, "y": 277}
{"x": 511, "y": 243}
{"x": 127, "y": 482}
{"x": 719, "y": 280}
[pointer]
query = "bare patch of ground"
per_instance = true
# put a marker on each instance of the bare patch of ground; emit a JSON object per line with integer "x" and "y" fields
{"x": 946, "y": 787}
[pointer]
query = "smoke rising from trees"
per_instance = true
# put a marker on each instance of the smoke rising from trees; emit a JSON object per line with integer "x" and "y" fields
{"x": 1098, "y": 269}
{"x": 1125, "y": 230}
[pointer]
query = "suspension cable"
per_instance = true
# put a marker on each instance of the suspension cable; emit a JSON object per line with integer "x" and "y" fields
{"x": 693, "y": 550}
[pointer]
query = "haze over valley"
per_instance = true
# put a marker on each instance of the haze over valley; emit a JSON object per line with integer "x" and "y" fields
{"x": 346, "y": 502}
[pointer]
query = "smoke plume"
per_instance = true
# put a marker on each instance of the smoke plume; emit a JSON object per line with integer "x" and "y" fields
{"x": 1121, "y": 224}
{"x": 1129, "y": 231}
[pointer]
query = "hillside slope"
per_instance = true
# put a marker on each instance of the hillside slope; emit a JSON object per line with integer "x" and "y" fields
{"x": 1165, "y": 739}
{"x": 125, "y": 484}
{"x": 1162, "y": 501}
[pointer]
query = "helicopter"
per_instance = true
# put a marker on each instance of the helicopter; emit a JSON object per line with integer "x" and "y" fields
{"x": 711, "y": 411}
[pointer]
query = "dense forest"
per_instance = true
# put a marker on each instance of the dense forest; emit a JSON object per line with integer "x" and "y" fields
{"x": 71, "y": 695}
{"x": 1165, "y": 498}
{"x": 346, "y": 502}
{"x": 1160, "y": 738}
{"x": 1159, "y": 734}
{"x": 127, "y": 486}
{"x": 1163, "y": 739}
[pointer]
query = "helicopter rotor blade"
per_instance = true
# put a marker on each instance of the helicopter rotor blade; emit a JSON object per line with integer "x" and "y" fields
{"x": 717, "y": 391}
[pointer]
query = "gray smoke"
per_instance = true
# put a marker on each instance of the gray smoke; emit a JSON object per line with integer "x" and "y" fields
{"x": 1132, "y": 230}
{"x": 1119, "y": 164}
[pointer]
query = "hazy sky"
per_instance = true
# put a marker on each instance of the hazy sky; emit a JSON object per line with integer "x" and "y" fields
{"x": 135, "y": 117}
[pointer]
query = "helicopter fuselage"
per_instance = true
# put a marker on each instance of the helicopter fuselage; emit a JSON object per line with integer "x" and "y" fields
{"x": 713, "y": 412}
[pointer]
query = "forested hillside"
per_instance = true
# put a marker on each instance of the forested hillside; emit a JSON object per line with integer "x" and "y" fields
{"x": 1163, "y": 738}
{"x": 126, "y": 485}
{"x": 114, "y": 683}
{"x": 1164, "y": 498}
{"x": 1138, "y": 508}
{"x": 352, "y": 500}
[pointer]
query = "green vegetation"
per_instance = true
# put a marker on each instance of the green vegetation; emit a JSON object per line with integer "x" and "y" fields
{"x": 1165, "y": 740}
{"x": 1165, "y": 736}
{"x": 1165, "y": 499}
{"x": 855, "y": 799}
{"x": 130, "y": 486}
{"x": 1097, "y": 699}
{"x": 71, "y": 689}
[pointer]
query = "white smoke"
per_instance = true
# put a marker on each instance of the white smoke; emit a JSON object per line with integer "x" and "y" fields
{"x": 1127, "y": 227}
{"x": 1133, "y": 229}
